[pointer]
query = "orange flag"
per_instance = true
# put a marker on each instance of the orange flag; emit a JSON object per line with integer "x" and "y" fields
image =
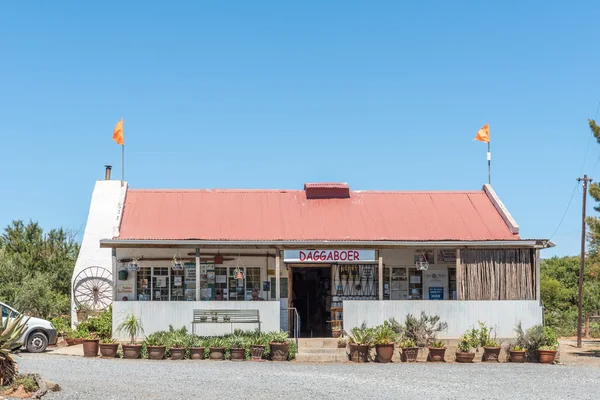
{"x": 483, "y": 135}
{"x": 118, "y": 133}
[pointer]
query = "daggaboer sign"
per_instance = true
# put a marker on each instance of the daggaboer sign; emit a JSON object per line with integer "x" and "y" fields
{"x": 328, "y": 256}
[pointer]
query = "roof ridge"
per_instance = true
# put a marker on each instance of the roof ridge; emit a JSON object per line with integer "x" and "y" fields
{"x": 408, "y": 192}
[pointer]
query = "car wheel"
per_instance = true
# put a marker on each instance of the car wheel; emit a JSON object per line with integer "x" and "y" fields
{"x": 37, "y": 342}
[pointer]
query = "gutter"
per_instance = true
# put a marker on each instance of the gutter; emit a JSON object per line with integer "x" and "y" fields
{"x": 532, "y": 243}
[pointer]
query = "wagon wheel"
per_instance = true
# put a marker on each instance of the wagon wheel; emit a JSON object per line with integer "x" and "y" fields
{"x": 94, "y": 287}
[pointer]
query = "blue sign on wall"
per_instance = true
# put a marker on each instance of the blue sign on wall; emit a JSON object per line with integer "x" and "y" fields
{"x": 436, "y": 293}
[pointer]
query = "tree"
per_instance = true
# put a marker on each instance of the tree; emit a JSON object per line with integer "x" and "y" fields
{"x": 594, "y": 189}
{"x": 36, "y": 268}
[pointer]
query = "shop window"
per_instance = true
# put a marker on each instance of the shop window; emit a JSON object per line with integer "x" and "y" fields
{"x": 177, "y": 285}
{"x": 144, "y": 288}
{"x": 160, "y": 283}
{"x": 452, "y": 282}
{"x": 283, "y": 290}
{"x": 415, "y": 284}
{"x": 221, "y": 292}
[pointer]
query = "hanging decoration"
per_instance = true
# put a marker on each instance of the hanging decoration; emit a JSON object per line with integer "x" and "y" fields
{"x": 177, "y": 264}
{"x": 238, "y": 272}
{"x": 134, "y": 263}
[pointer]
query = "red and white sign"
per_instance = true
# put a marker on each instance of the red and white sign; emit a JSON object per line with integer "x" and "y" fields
{"x": 328, "y": 256}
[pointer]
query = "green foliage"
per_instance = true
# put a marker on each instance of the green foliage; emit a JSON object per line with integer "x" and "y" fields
{"x": 108, "y": 341}
{"x": 100, "y": 324}
{"x": 279, "y": 337}
{"x": 29, "y": 384}
{"x": 422, "y": 330}
{"x": 438, "y": 344}
{"x": 518, "y": 348}
{"x": 62, "y": 325}
{"x": 384, "y": 334}
{"x": 535, "y": 338}
{"x": 407, "y": 343}
{"x": 469, "y": 340}
{"x": 361, "y": 335}
{"x": 486, "y": 335}
{"x": 157, "y": 339}
{"x": 132, "y": 326}
{"x": 36, "y": 269}
{"x": 11, "y": 329}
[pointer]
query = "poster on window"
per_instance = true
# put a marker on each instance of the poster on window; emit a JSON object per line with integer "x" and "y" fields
{"x": 446, "y": 256}
{"x": 161, "y": 281}
{"x": 436, "y": 293}
{"x": 177, "y": 281}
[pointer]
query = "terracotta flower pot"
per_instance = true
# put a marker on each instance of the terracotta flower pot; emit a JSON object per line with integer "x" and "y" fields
{"x": 256, "y": 352}
{"x": 156, "y": 352}
{"x": 90, "y": 347}
{"x": 409, "y": 354}
{"x": 237, "y": 354}
{"x": 491, "y": 354}
{"x": 177, "y": 353}
{"x": 78, "y": 340}
{"x": 546, "y": 356}
{"x": 336, "y": 333}
{"x": 465, "y": 357}
{"x": 216, "y": 353}
{"x": 359, "y": 353}
{"x": 280, "y": 351}
{"x": 109, "y": 350}
{"x": 384, "y": 352}
{"x": 132, "y": 351}
{"x": 517, "y": 356}
{"x": 70, "y": 341}
{"x": 436, "y": 354}
{"x": 197, "y": 353}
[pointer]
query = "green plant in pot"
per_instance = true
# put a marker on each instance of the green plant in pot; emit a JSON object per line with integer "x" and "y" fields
{"x": 259, "y": 342}
{"x": 467, "y": 342}
{"x": 384, "y": 338}
{"x": 132, "y": 327}
{"x": 280, "y": 346}
{"x": 360, "y": 341}
{"x": 547, "y": 351}
{"x": 177, "y": 346}
{"x": 487, "y": 340}
{"x": 217, "y": 348}
{"x": 410, "y": 350}
{"x": 213, "y": 316}
{"x": 91, "y": 345}
{"x": 197, "y": 346}
{"x": 342, "y": 342}
{"x": 108, "y": 347}
{"x": 237, "y": 348}
{"x": 156, "y": 345}
{"x": 437, "y": 351}
{"x": 83, "y": 311}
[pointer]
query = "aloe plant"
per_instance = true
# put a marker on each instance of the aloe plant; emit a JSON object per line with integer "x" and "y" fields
{"x": 132, "y": 326}
{"x": 384, "y": 334}
{"x": 11, "y": 331}
{"x": 279, "y": 337}
{"x": 361, "y": 335}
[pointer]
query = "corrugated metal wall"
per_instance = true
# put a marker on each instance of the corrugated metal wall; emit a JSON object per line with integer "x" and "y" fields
{"x": 460, "y": 315}
{"x": 158, "y": 315}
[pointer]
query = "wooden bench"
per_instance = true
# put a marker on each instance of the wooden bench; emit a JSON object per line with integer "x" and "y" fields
{"x": 225, "y": 317}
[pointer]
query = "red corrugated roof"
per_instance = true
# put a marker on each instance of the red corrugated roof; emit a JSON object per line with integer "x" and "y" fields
{"x": 287, "y": 215}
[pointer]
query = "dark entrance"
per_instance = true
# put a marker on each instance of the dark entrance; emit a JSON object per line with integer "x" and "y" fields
{"x": 311, "y": 295}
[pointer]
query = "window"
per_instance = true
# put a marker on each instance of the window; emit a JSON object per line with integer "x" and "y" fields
{"x": 6, "y": 312}
{"x": 160, "y": 283}
{"x": 284, "y": 288}
{"x": 144, "y": 289}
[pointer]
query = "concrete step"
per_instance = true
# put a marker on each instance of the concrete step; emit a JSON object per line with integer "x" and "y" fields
{"x": 318, "y": 343}
{"x": 321, "y": 358}
{"x": 322, "y": 351}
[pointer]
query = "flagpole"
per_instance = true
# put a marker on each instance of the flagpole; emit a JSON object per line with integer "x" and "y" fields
{"x": 123, "y": 156}
{"x": 489, "y": 160}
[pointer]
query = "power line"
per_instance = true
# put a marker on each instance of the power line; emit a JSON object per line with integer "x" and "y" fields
{"x": 566, "y": 210}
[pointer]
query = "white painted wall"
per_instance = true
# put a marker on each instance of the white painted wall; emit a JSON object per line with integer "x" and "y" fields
{"x": 460, "y": 315}
{"x": 103, "y": 222}
{"x": 158, "y": 315}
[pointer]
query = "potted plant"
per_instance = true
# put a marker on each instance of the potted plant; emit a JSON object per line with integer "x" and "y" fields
{"x": 226, "y": 318}
{"x": 491, "y": 347}
{"x": 547, "y": 351}
{"x": 336, "y": 329}
{"x": 280, "y": 346}
{"x": 133, "y": 265}
{"x": 217, "y": 349}
{"x": 122, "y": 274}
{"x": 177, "y": 348}
{"x": 196, "y": 348}
{"x": 156, "y": 345}
{"x": 132, "y": 327}
{"x": 203, "y": 317}
{"x": 410, "y": 350}
{"x": 213, "y": 316}
{"x": 384, "y": 338}
{"x": 517, "y": 354}
{"x": 108, "y": 347}
{"x": 466, "y": 343}
{"x": 437, "y": 351}
{"x": 360, "y": 341}
{"x": 258, "y": 346}
{"x": 91, "y": 345}
{"x": 342, "y": 342}
{"x": 237, "y": 348}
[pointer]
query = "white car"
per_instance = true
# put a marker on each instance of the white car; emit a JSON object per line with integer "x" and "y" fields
{"x": 38, "y": 335}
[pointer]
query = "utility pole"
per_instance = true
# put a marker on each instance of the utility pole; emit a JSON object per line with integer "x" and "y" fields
{"x": 585, "y": 180}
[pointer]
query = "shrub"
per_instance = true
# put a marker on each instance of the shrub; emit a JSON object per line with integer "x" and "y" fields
{"x": 486, "y": 339}
{"x": 384, "y": 334}
{"x": 361, "y": 335}
{"x": 469, "y": 340}
{"x": 423, "y": 330}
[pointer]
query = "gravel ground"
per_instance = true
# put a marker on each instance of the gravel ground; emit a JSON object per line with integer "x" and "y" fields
{"x": 84, "y": 379}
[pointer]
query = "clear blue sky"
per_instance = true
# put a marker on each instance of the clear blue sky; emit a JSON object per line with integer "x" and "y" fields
{"x": 382, "y": 95}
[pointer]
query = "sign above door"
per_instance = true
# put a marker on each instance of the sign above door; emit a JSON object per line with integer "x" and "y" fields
{"x": 329, "y": 256}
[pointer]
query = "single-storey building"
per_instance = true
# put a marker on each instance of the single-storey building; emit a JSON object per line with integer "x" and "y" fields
{"x": 304, "y": 258}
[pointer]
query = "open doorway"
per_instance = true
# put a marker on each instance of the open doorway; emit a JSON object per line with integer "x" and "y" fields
{"x": 311, "y": 295}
